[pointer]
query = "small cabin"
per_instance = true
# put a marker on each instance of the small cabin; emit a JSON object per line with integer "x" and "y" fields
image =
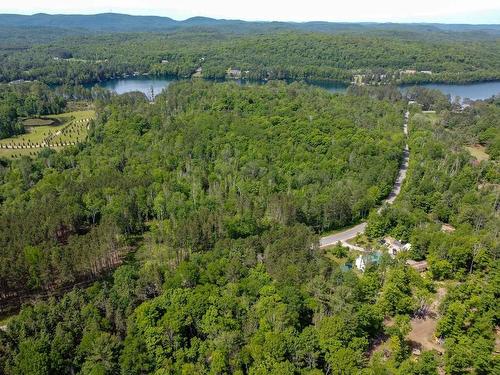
{"x": 447, "y": 228}
{"x": 420, "y": 266}
{"x": 234, "y": 72}
{"x": 394, "y": 246}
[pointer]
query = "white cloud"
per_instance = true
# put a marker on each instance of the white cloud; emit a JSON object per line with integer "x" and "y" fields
{"x": 466, "y": 11}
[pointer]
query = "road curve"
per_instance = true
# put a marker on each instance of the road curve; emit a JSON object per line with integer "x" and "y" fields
{"x": 352, "y": 232}
{"x": 343, "y": 236}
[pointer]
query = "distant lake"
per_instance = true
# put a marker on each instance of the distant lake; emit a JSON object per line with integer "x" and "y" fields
{"x": 474, "y": 91}
{"x": 144, "y": 84}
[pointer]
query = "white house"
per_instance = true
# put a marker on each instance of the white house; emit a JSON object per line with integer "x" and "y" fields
{"x": 394, "y": 246}
{"x": 360, "y": 263}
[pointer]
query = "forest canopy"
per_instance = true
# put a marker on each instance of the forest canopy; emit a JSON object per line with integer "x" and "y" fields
{"x": 378, "y": 56}
{"x": 188, "y": 231}
{"x": 210, "y": 161}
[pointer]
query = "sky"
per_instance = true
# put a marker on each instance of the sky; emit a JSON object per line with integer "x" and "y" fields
{"x": 446, "y": 11}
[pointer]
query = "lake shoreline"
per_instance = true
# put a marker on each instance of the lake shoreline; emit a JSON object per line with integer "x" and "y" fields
{"x": 151, "y": 85}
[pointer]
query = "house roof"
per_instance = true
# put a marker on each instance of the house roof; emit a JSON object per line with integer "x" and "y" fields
{"x": 419, "y": 266}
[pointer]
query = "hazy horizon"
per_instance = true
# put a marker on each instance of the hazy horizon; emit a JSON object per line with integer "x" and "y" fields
{"x": 382, "y": 11}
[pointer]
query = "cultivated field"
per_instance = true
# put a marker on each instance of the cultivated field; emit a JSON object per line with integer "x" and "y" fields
{"x": 55, "y": 131}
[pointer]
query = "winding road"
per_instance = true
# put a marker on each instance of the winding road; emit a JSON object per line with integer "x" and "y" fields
{"x": 352, "y": 232}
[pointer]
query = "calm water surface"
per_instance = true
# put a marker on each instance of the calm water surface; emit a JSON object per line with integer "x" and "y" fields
{"x": 147, "y": 85}
{"x": 154, "y": 85}
{"x": 474, "y": 91}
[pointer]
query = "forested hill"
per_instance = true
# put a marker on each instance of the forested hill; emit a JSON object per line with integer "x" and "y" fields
{"x": 210, "y": 161}
{"x": 114, "y": 22}
{"x": 296, "y": 55}
{"x": 76, "y": 49}
{"x": 98, "y": 22}
{"x": 220, "y": 189}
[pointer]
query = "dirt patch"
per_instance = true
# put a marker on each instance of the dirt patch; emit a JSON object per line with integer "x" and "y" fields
{"x": 447, "y": 228}
{"x": 478, "y": 151}
{"x": 423, "y": 328}
{"x": 488, "y": 186}
{"x": 422, "y": 334}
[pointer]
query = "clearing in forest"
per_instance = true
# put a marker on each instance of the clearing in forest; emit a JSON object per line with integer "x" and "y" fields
{"x": 53, "y": 131}
{"x": 423, "y": 328}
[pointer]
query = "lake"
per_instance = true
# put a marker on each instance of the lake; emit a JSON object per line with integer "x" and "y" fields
{"x": 144, "y": 84}
{"x": 474, "y": 91}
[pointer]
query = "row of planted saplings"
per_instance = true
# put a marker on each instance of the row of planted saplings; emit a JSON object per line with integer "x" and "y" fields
{"x": 71, "y": 129}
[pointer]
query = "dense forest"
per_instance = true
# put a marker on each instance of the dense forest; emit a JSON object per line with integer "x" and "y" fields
{"x": 26, "y": 100}
{"x": 221, "y": 189}
{"x": 208, "y": 202}
{"x": 378, "y": 57}
{"x": 182, "y": 235}
{"x": 210, "y": 161}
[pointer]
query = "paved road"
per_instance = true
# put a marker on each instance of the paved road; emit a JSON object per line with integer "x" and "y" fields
{"x": 402, "y": 170}
{"x": 343, "y": 236}
{"x": 347, "y": 234}
{"x": 401, "y": 177}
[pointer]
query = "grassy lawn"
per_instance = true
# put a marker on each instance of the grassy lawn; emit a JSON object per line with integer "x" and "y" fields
{"x": 43, "y": 121}
{"x": 479, "y": 152}
{"x": 76, "y": 115}
{"x": 34, "y": 134}
{"x": 72, "y": 128}
{"x": 363, "y": 241}
{"x": 429, "y": 116}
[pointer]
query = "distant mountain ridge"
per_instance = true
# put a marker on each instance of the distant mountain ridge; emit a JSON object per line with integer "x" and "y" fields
{"x": 116, "y": 22}
{"x": 98, "y": 22}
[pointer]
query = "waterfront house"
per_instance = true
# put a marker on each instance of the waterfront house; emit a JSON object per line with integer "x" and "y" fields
{"x": 234, "y": 72}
